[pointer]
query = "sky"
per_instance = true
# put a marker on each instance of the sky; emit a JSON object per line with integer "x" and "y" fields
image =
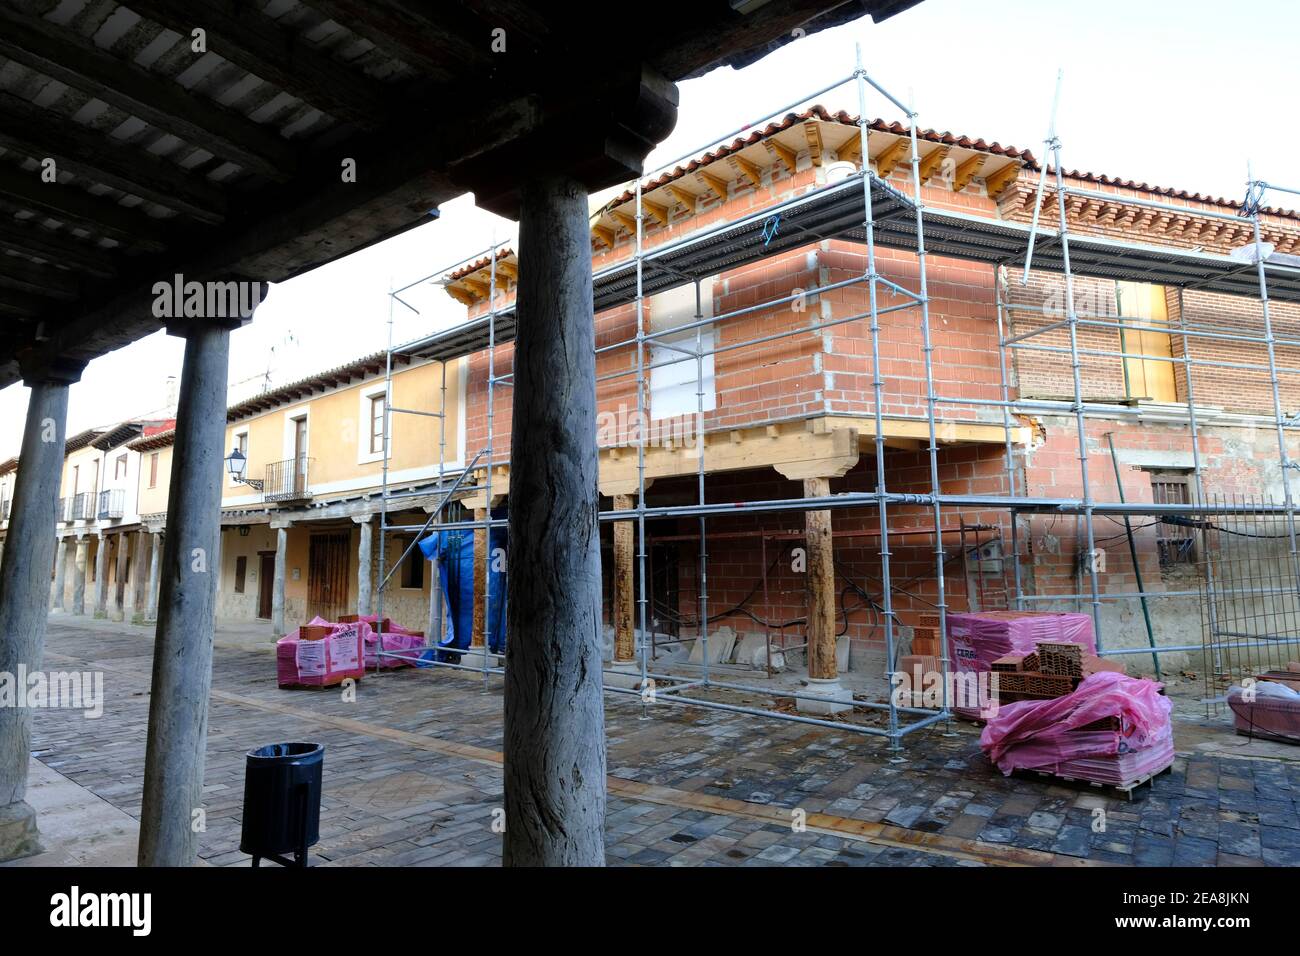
{"x": 1155, "y": 91}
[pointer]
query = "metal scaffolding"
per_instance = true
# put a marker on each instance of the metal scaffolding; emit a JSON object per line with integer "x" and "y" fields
{"x": 864, "y": 209}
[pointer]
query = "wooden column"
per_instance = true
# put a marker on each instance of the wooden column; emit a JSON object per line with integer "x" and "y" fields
{"x": 123, "y": 555}
{"x": 554, "y": 767}
{"x": 624, "y": 629}
{"x": 821, "y": 584}
{"x": 479, "y": 632}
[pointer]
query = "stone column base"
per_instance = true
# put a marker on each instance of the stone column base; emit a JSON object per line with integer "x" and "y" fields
{"x": 825, "y": 687}
{"x": 18, "y": 833}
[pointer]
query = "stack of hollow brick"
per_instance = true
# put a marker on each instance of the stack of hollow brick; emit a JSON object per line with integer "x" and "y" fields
{"x": 1054, "y": 670}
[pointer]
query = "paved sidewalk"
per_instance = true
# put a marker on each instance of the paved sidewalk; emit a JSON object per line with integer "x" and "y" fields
{"x": 412, "y": 777}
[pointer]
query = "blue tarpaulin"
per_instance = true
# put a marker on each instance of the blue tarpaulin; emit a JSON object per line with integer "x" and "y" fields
{"x": 454, "y": 551}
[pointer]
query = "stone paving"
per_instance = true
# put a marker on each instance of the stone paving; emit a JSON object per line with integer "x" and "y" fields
{"x": 412, "y": 777}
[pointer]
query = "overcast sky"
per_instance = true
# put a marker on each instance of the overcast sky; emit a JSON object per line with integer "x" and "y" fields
{"x": 1177, "y": 93}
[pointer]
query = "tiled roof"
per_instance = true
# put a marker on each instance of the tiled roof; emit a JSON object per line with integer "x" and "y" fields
{"x": 820, "y": 112}
{"x": 1116, "y": 183}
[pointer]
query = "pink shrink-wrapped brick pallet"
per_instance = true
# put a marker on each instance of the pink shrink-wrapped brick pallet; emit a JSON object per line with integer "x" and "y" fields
{"x": 1112, "y": 729}
{"x": 977, "y": 638}
{"x": 324, "y": 662}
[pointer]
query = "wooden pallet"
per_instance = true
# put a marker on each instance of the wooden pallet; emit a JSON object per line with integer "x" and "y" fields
{"x": 1123, "y": 791}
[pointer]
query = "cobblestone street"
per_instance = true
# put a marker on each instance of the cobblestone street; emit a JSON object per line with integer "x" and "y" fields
{"x": 412, "y": 777}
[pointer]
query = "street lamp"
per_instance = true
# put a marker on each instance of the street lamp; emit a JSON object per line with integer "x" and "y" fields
{"x": 237, "y": 464}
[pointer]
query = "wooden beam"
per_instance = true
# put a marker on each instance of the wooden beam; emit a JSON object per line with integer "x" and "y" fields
{"x": 751, "y": 172}
{"x": 161, "y": 102}
{"x": 821, "y": 584}
{"x": 1000, "y": 179}
{"x": 479, "y": 630}
{"x": 508, "y": 269}
{"x": 27, "y": 276}
{"x": 624, "y": 532}
{"x": 628, "y": 222}
{"x": 604, "y": 234}
{"x": 659, "y": 212}
{"x": 893, "y": 154}
{"x": 931, "y": 162}
{"x": 849, "y": 150}
{"x": 58, "y": 248}
{"x": 813, "y": 134}
{"x": 74, "y": 206}
{"x": 719, "y": 186}
{"x": 440, "y": 40}
{"x": 686, "y": 198}
{"x": 38, "y": 134}
{"x": 253, "y": 41}
{"x": 966, "y": 172}
{"x": 782, "y": 152}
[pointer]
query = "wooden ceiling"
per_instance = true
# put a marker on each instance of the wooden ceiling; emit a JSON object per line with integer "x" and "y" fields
{"x": 155, "y": 137}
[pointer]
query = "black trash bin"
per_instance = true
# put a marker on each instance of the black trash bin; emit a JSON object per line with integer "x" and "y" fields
{"x": 282, "y": 802}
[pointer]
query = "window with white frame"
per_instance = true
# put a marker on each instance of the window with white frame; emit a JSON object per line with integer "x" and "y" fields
{"x": 675, "y": 375}
{"x": 377, "y": 424}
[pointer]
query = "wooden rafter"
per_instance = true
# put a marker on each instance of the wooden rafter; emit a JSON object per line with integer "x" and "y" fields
{"x": 717, "y": 184}
{"x": 65, "y": 56}
{"x": 605, "y": 234}
{"x": 655, "y": 209}
{"x": 683, "y": 196}
{"x": 627, "y": 222}
{"x": 893, "y": 154}
{"x": 780, "y": 151}
{"x": 750, "y": 171}
{"x": 849, "y": 150}
{"x": 966, "y": 172}
{"x": 24, "y": 128}
{"x": 932, "y": 161}
{"x": 997, "y": 181}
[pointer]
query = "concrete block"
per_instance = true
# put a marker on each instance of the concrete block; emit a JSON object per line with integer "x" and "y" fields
{"x": 721, "y": 644}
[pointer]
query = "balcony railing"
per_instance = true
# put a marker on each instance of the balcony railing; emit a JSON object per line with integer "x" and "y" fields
{"x": 83, "y": 506}
{"x": 287, "y": 480}
{"x": 112, "y": 504}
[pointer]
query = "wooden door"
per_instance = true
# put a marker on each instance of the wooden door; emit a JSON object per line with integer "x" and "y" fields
{"x": 265, "y": 584}
{"x": 329, "y": 574}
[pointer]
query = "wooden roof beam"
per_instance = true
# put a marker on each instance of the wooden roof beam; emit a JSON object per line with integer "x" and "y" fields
{"x": 59, "y": 249}
{"x": 605, "y": 234}
{"x": 996, "y": 182}
{"x": 686, "y": 198}
{"x": 73, "y": 206}
{"x": 627, "y": 222}
{"x": 65, "y": 56}
{"x": 932, "y": 161}
{"x": 28, "y": 276}
{"x": 719, "y": 186}
{"x": 893, "y": 154}
{"x": 659, "y": 212}
{"x": 966, "y": 172}
{"x": 780, "y": 151}
{"x": 748, "y": 169}
{"x": 255, "y": 42}
{"x": 27, "y": 129}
